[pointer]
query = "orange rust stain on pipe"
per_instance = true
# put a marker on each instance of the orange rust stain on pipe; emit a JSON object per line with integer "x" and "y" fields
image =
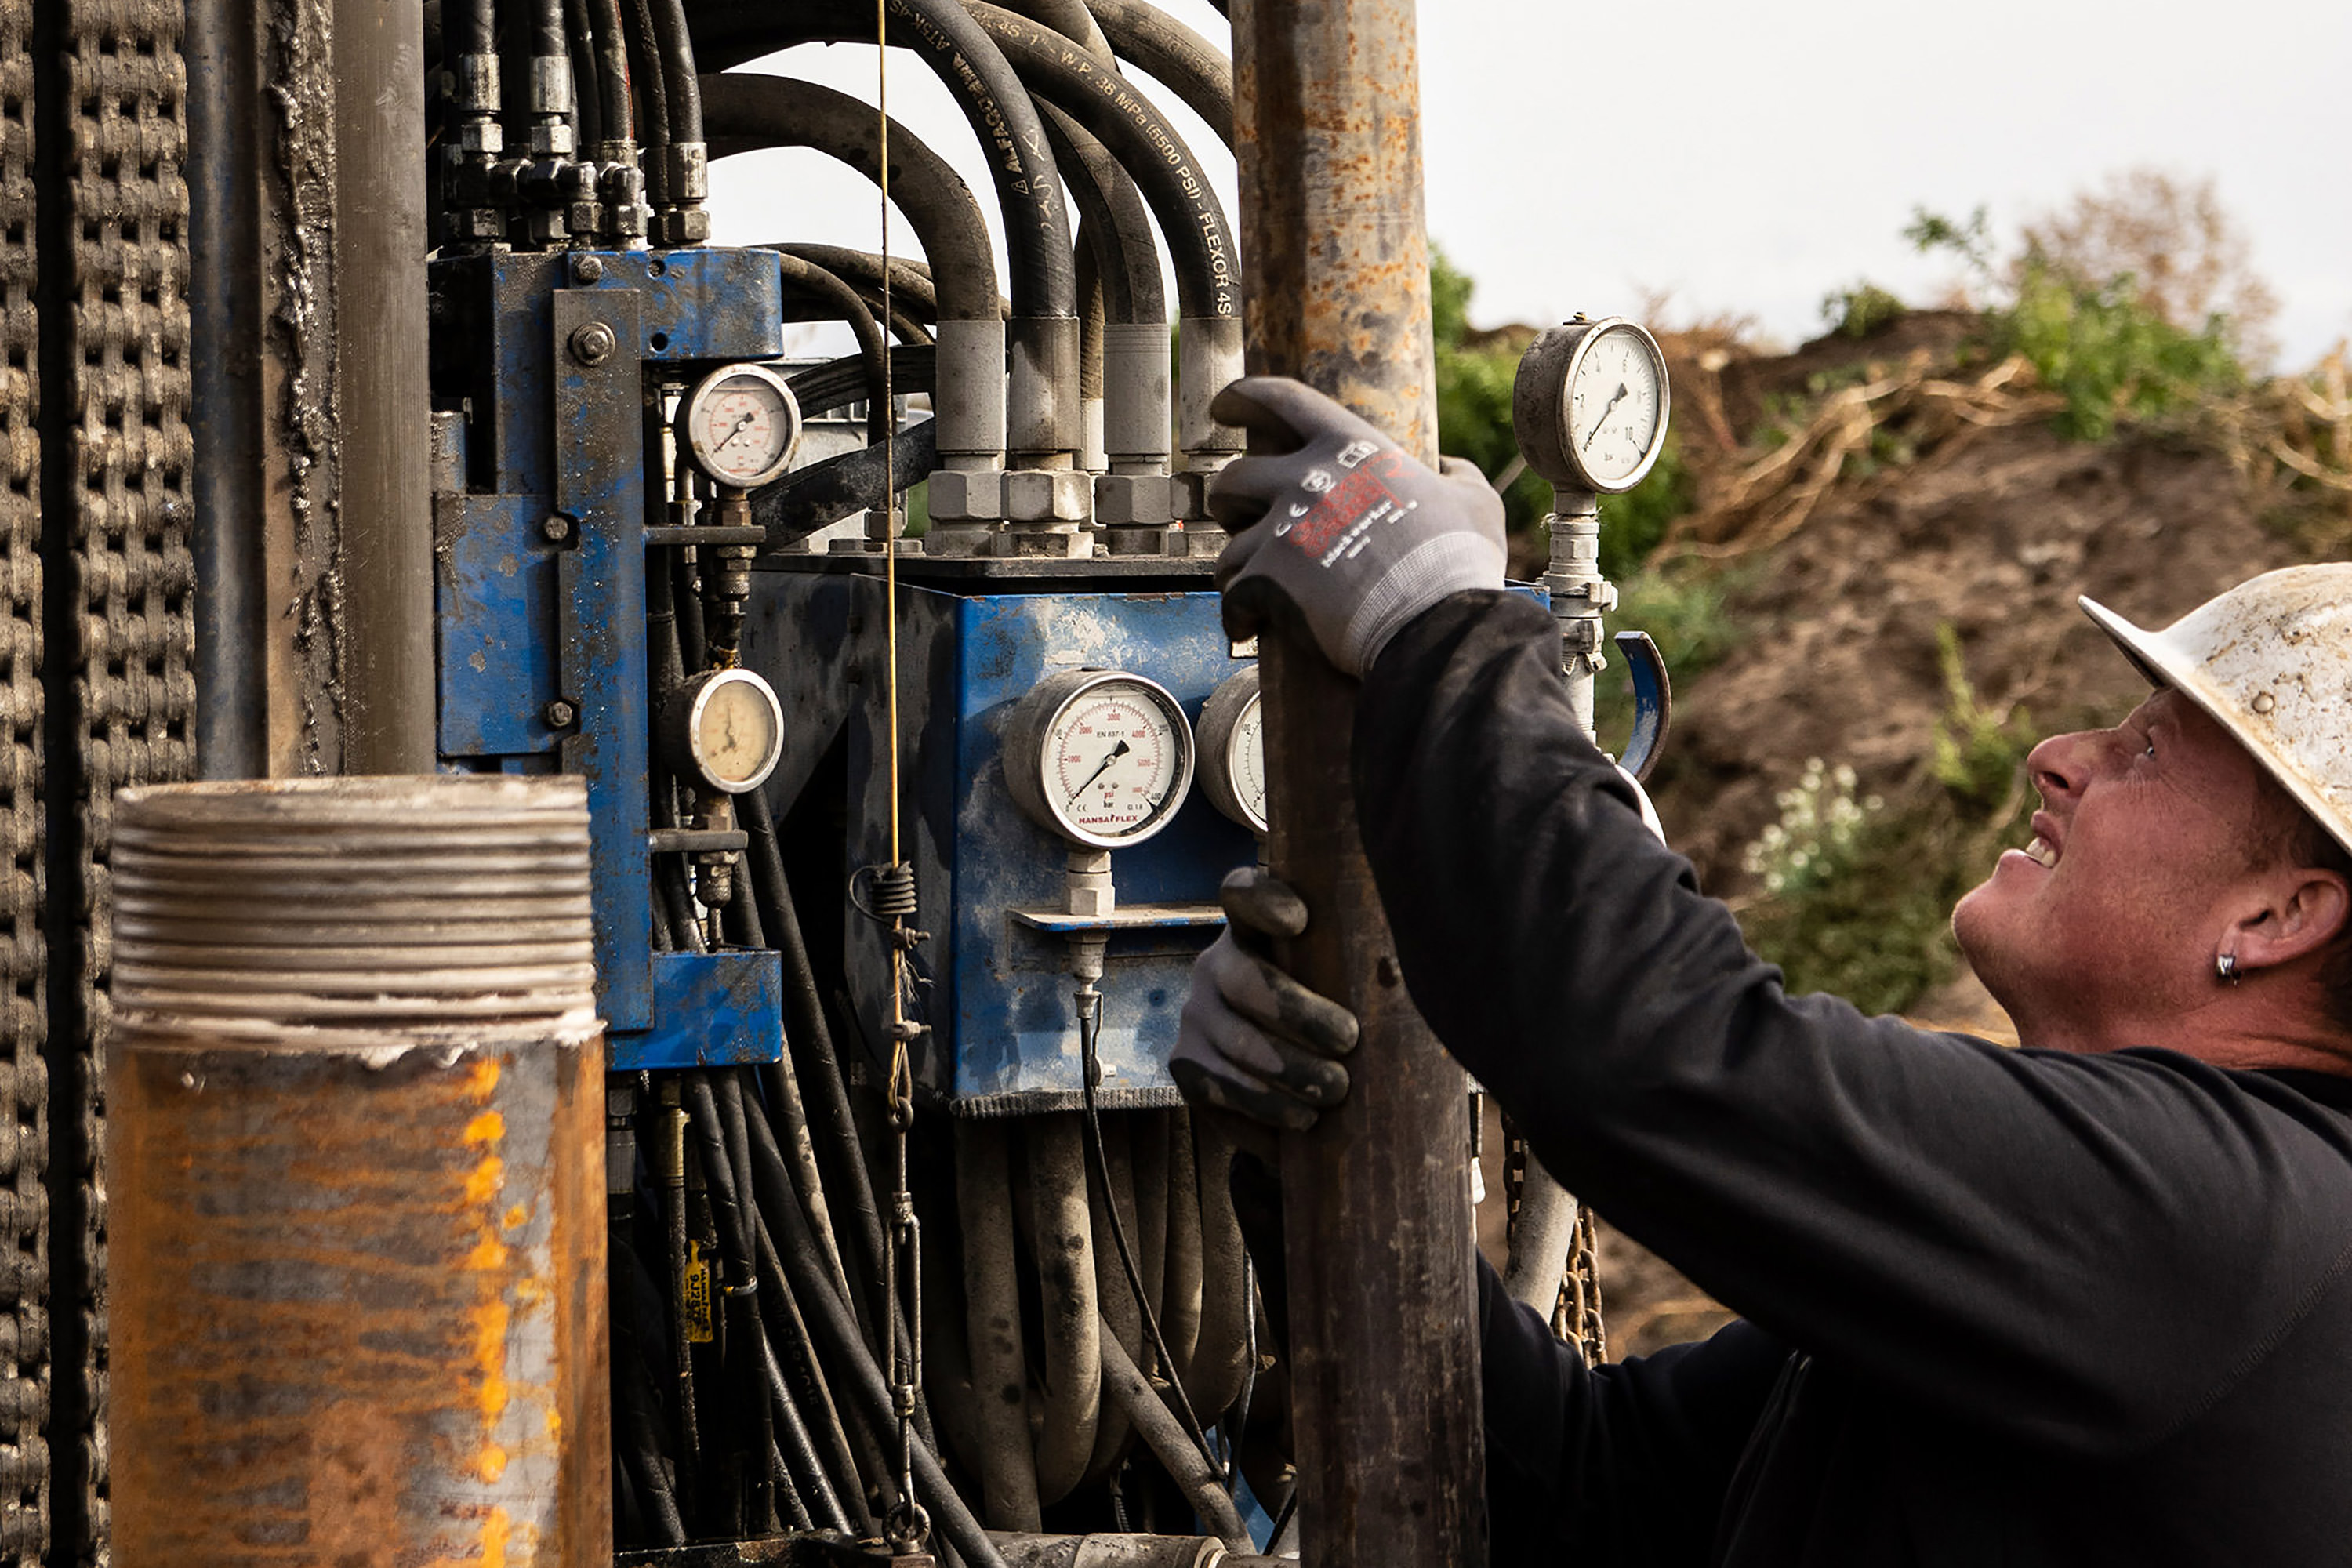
{"x": 483, "y": 1184}
{"x": 482, "y": 1079}
{"x": 487, "y": 1128}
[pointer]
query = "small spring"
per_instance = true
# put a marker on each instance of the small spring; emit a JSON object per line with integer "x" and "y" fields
{"x": 894, "y": 891}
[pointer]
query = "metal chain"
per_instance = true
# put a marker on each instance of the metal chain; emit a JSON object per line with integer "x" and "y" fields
{"x": 23, "y": 1073}
{"x": 908, "y": 1527}
{"x": 133, "y": 576}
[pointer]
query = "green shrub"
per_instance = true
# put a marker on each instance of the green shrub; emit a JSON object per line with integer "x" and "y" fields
{"x": 1862, "y": 310}
{"x": 1856, "y": 897}
{"x": 1631, "y": 524}
{"x": 2107, "y": 355}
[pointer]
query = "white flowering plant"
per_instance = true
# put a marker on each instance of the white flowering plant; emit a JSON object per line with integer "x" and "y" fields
{"x": 1813, "y": 841}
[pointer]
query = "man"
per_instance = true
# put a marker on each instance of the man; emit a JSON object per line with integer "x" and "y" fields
{"x": 2089, "y": 1302}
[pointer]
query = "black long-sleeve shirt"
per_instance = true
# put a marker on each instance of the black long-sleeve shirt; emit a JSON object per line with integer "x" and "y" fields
{"x": 2002, "y": 1307}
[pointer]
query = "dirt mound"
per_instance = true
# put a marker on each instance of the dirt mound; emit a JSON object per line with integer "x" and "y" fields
{"x": 1995, "y": 536}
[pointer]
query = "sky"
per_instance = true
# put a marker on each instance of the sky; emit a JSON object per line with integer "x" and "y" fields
{"x": 1743, "y": 159}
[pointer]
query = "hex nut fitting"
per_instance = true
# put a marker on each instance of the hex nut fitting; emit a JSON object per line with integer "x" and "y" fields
{"x": 1189, "y": 494}
{"x": 1048, "y": 495}
{"x": 560, "y": 715}
{"x": 588, "y": 268}
{"x": 967, "y": 495}
{"x": 1124, "y": 500}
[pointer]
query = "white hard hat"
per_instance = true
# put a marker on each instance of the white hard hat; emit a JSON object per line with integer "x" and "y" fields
{"x": 2271, "y": 660}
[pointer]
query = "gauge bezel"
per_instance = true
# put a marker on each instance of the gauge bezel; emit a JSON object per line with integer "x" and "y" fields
{"x": 1541, "y": 397}
{"x": 682, "y": 721}
{"x": 1030, "y": 725}
{"x": 1216, "y": 738}
{"x": 689, "y": 428}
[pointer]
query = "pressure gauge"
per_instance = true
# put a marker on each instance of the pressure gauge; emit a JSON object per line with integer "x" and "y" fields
{"x": 1590, "y": 405}
{"x": 724, "y": 728}
{"x": 741, "y": 425}
{"x": 1233, "y": 750}
{"x": 1099, "y": 756}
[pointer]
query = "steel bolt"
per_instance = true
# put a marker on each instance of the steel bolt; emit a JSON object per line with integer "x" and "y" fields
{"x": 555, "y": 528}
{"x": 561, "y": 714}
{"x": 589, "y": 269}
{"x": 592, "y": 343}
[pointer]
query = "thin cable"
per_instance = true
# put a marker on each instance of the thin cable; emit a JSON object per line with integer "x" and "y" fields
{"x": 1089, "y": 1001}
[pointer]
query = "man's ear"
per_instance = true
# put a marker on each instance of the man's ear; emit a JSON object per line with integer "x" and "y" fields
{"x": 2300, "y": 911}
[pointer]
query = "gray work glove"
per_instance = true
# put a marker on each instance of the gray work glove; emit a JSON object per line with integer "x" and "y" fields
{"x": 1252, "y": 1040}
{"x": 1332, "y": 516}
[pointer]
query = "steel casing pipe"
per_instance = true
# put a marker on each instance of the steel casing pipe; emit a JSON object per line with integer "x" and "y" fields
{"x": 356, "y": 1153}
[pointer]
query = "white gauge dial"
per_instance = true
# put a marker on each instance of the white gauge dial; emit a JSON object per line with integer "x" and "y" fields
{"x": 1101, "y": 757}
{"x": 1590, "y": 403}
{"x": 1616, "y": 406}
{"x": 741, "y": 425}
{"x": 727, "y": 729}
{"x": 1232, "y": 748}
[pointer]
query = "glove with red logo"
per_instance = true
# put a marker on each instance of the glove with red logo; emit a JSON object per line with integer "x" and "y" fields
{"x": 1332, "y": 516}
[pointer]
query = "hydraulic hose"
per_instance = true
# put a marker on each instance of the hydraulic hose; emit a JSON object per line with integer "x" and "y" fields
{"x": 653, "y": 97}
{"x": 837, "y": 1335}
{"x": 547, "y": 39}
{"x": 1028, "y": 185}
{"x": 804, "y": 1002}
{"x": 1542, "y": 1234}
{"x": 1121, "y": 1307}
{"x": 910, "y": 280}
{"x": 712, "y": 1136}
{"x": 586, "y": 100}
{"x": 1191, "y": 218}
{"x": 992, "y": 1290}
{"x": 674, "y": 46}
{"x": 1125, "y": 1389}
{"x": 811, "y": 279}
{"x": 787, "y": 1325}
{"x": 612, "y": 96}
{"x": 473, "y": 30}
{"x": 1168, "y": 51}
{"x": 1180, "y": 1318}
{"x": 1072, "y": 20}
{"x": 1062, "y": 1241}
{"x": 1114, "y": 218}
{"x": 747, "y": 112}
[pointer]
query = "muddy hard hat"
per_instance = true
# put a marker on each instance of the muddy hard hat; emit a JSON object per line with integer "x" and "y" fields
{"x": 2271, "y": 660}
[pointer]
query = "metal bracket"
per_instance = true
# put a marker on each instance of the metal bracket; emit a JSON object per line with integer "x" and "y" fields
{"x": 1654, "y": 702}
{"x": 600, "y": 479}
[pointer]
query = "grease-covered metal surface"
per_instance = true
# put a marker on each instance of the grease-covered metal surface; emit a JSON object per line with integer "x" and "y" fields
{"x": 356, "y": 1132}
{"x": 1384, "y": 1384}
{"x": 24, "y": 1077}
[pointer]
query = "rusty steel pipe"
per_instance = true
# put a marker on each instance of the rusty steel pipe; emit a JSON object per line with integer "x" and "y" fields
{"x": 354, "y": 1147}
{"x": 1384, "y": 1375}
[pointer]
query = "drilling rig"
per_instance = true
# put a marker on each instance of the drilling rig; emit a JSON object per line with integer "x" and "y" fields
{"x": 423, "y": 520}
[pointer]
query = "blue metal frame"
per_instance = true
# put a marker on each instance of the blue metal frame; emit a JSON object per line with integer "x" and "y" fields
{"x": 525, "y": 621}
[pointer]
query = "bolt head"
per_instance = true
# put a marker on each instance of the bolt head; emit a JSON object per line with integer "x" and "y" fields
{"x": 560, "y": 715}
{"x": 589, "y": 269}
{"x": 592, "y": 343}
{"x": 555, "y": 528}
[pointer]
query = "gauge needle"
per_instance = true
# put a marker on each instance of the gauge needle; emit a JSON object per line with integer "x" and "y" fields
{"x": 1116, "y": 752}
{"x": 1614, "y": 400}
{"x": 744, "y": 424}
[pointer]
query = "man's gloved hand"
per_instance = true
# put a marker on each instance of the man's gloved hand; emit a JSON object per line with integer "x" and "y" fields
{"x": 1332, "y": 516}
{"x": 1252, "y": 1040}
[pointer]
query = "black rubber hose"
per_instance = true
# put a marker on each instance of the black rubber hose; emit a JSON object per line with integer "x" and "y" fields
{"x": 748, "y": 111}
{"x": 907, "y": 329}
{"x": 1114, "y": 215}
{"x": 1028, "y": 186}
{"x": 869, "y": 1393}
{"x": 1168, "y": 51}
{"x": 673, "y": 44}
{"x": 830, "y": 1092}
{"x": 1191, "y": 218}
{"x": 910, "y": 276}
{"x": 653, "y": 97}
{"x": 547, "y": 40}
{"x": 613, "y": 86}
{"x": 475, "y": 29}
{"x": 873, "y": 349}
{"x": 788, "y": 1328}
{"x": 587, "y": 105}
{"x": 726, "y": 1180}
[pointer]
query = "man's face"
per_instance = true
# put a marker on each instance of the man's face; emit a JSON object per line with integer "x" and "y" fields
{"x": 2108, "y": 923}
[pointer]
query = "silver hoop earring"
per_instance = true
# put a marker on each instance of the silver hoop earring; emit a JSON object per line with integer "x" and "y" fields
{"x": 2225, "y": 969}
